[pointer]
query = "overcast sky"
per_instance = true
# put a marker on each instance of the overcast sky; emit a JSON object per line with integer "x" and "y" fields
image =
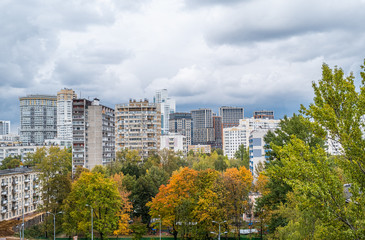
{"x": 259, "y": 54}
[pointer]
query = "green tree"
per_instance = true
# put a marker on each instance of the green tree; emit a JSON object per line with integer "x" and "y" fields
{"x": 243, "y": 155}
{"x": 10, "y": 162}
{"x": 96, "y": 191}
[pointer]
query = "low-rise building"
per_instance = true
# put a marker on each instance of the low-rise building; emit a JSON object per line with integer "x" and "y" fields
{"x": 200, "y": 148}
{"x": 20, "y": 192}
{"x": 175, "y": 142}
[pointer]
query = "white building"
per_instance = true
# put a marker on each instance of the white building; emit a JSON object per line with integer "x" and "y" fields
{"x": 4, "y": 127}
{"x": 257, "y": 149}
{"x": 14, "y": 150}
{"x": 19, "y": 190}
{"x": 64, "y": 114}
{"x": 173, "y": 141}
{"x": 235, "y": 136}
{"x": 167, "y": 106}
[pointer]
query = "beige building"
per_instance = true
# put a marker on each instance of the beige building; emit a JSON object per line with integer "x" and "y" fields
{"x": 138, "y": 126}
{"x": 200, "y": 148}
{"x": 64, "y": 113}
{"x": 93, "y": 134}
{"x": 20, "y": 191}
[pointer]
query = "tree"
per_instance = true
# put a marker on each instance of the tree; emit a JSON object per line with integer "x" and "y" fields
{"x": 10, "y": 162}
{"x": 100, "y": 193}
{"x": 242, "y": 154}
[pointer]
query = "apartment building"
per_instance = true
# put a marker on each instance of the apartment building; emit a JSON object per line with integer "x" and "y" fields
{"x": 257, "y": 150}
{"x": 64, "y": 113}
{"x": 20, "y": 192}
{"x": 138, "y": 126}
{"x": 167, "y": 106}
{"x": 231, "y": 116}
{"x": 235, "y": 136}
{"x": 200, "y": 148}
{"x": 38, "y": 118}
{"x": 16, "y": 150}
{"x": 4, "y": 127}
{"x": 93, "y": 134}
{"x": 182, "y": 123}
{"x": 175, "y": 142}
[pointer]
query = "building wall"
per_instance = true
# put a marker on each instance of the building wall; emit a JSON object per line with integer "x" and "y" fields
{"x": 234, "y": 137}
{"x": 231, "y": 116}
{"x": 38, "y": 118}
{"x": 138, "y": 126}
{"x": 167, "y": 106}
{"x": 4, "y": 127}
{"x": 182, "y": 123}
{"x": 12, "y": 151}
{"x": 218, "y": 132}
{"x": 175, "y": 142}
{"x": 263, "y": 114}
{"x": 20, "y": 189}
{"x": 200, "y": 148}
{"x": 64, "y": 113}
{"x": 257, "y": 150}
{"x": 203, "y": 131}
{"x": 93, "y": 134}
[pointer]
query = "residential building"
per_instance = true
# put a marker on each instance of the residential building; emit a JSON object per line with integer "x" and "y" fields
{"x": 203, "y": 131}
{"x": 200, "y": 148}
{"x": 20, "y": 191}
{"x": 4, "y": 127}
{"x": 38, "y": 118}
{"x": 64, "y": 113}
{"x": 93, "y": 134}
{"x": 9, "y": 139}
{"x": 16, "y": 150}
{"x": 167, "y": 106}
{"x": 257, "y": 150}
{"x": 182, "y": 123}
{"x": 138, "y": 126}
{"x": 235, "y": 136}
{"x": 231, "y": 116}
{"x": 175, "y": 142}
{"x": 263, "y": 114}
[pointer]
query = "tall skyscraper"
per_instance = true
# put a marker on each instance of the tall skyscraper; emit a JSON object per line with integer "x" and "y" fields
{"x": 182, "y": 123}
{"x": 231, "y": 116}
{"x": 203, "y": 131}
{"x": 4, "y": 127}
{"x": 263, "y": 114}
{"x": 38, "y": 118}
{"x": 64, "y": 113}
{"x": 93, "y": 140}
{"x": 138, "y": 126}
{"x": 167, "y": 106}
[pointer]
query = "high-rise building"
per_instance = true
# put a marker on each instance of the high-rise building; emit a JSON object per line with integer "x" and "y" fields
{"x": 167, "y": 106}
{"x": 93, "y": 140}
{"x": 231, "y": 116}
{"x": 218, "y": 132}
{"x": 182, "y": 123}
{"x": 203, "y": 131}
{"x": 138, "y": 126}
{"x": 38, "y": 118}
{"x": 4, "y": 127}
{"x": 64, "y": 113}
{"x": 263, "y": 114}
{"x": 235, "y": 136}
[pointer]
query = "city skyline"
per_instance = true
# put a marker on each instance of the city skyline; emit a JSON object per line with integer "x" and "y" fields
{"x": 254, "y": 54}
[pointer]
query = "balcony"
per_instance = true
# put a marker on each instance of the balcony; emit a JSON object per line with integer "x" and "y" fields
{"x": 26, "y": 196}
{"x": 15, "y": 191}
{"x": 3, "y": 202}
{"x": 35, "y": 202}
{"x": 27, "y": 180}
{"x": 27, "y": 188}
{"x": 14, "y": 208}
{"x": 14, "y": 200}
{"x": 35, "y": 179}
{"x": 35, "y": 186}
{"x": 4, "y": 210}
{"x": 26, "y": 204}
{"x": 4, "y": 184}
{"x": 4, "y": 192}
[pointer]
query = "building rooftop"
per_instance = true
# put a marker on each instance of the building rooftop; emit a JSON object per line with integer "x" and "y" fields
{"x": 15, "y": 171}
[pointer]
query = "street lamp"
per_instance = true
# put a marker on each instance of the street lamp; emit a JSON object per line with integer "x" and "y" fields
{"x": 92, "y": 227}
{"x": 160, "y": 225}
{"x": 219, "y": 233}
{"x": 54, "y": 223}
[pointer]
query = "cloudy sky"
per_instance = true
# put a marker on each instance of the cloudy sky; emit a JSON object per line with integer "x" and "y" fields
{"x": 259, "y": 54}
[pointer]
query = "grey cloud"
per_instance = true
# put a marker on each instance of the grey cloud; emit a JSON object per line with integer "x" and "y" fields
{"x": 205, "y": 3}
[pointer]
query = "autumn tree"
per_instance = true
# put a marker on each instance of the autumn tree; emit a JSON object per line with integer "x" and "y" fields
{"x": 10, "y": 162}
{"x": 243, "y": 155}
{"x": 94, "y": 190}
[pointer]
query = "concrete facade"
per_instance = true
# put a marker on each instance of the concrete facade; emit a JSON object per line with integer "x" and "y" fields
{"x": 64, "y": 113}
{"x": 231, "y": 116}
{"x": 93, "y": 134}
{"x": 203, "y": 131}
{"x": 20, "y": 190}
{"x": 138, "y": 126}
{"x": 175, "y": 142}
{"x": 4, "y": 127}
{"x": 38, "y": 118}
{"x": 182, "y": 123}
